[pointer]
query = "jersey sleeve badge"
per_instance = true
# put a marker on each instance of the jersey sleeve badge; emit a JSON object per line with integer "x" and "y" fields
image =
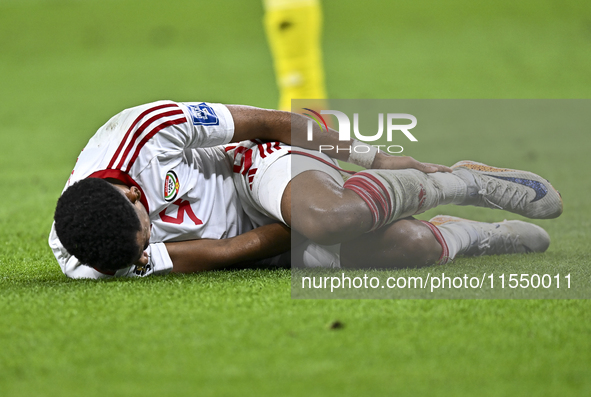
{"x": 203, "y": 114}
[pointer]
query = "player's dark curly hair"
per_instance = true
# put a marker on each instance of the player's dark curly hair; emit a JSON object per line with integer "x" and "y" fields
{"x": 98, "y": 225}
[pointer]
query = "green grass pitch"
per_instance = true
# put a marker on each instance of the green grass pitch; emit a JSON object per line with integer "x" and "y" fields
{"x": 66, "y": 66}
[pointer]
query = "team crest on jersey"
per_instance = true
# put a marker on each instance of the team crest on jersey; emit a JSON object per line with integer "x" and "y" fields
{"x": 171, "y": 186}
{"x": 203, "y": 114}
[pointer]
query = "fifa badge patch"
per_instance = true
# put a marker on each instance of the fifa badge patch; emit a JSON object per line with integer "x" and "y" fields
{"x": 171, "y": 186}
{"x": 203, "y": 114}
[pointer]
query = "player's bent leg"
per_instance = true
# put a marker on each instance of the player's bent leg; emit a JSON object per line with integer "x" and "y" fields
{"x": 305, "y": 194}
{"x": 412, "y": 243}
{"x": 318, "y": 207}
{"x": 395, "y": 194}
{"x": 402, "y": 244}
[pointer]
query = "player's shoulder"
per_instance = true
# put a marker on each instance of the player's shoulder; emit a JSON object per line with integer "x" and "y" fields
{"x": 202, "y": 113}
{"x": 150, "y": 107}
{"x": 136, "y": 115}
{"x": 206, "y": 114}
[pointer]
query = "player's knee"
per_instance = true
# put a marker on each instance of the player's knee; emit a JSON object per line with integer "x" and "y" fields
{"x": 324, "y": 212}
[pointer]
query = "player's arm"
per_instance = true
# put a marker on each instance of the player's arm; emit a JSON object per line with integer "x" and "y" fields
{"x": 291, "y": 128}
{"x": 200, "y": 255}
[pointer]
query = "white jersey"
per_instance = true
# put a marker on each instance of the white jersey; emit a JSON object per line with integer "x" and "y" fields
{"x": 170, "y": 152}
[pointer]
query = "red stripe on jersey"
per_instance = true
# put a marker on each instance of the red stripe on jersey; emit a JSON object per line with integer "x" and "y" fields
{"x": 137, "y": 120}
{"x": 251, "y": 174}
{"x": 123, "y": 178}
{"x": 262, "y": 150}
{"x": 238, "y": 152}
{"x": 150, "y": 135}
{"x": 322, "y": 161}
{"x": 247, "y": 161}
{"x": 141, "y": 129}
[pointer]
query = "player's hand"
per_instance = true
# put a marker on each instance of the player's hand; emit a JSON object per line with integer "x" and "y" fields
{"x": 144, "y": 259}
{"x": 384, "y": 161}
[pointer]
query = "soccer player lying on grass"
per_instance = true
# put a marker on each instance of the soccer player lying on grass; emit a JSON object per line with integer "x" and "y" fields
{"x": 196, "y": 186}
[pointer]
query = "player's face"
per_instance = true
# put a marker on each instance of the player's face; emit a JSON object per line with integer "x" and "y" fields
{"x": 134, "y": 195}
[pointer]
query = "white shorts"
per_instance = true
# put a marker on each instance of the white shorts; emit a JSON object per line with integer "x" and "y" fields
{"x": 262, "y": 171}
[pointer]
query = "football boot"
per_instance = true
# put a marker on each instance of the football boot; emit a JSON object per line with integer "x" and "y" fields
{"x": 520, "y": 192}
{"x": 507, "y": 237}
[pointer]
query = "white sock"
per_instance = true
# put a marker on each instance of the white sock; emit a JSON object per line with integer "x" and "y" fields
{"x": 458, "y": 237}
{"x": 454, "y": 237}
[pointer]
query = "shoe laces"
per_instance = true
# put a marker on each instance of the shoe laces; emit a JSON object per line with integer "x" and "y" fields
{"x": 515, "y": 199}
{"x": 498, "y": 243}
